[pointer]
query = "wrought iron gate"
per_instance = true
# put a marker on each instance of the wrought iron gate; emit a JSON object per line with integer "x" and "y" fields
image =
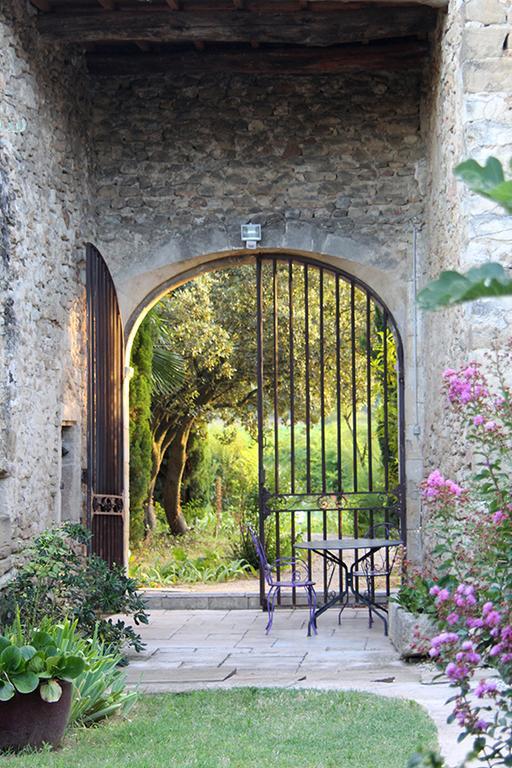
{"x": 105, "y": 347}
{"x": 330, "y": 409}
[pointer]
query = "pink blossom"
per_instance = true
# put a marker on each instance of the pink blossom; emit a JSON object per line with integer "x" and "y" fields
{"x": 485, "y": 689}
{"x": 491, "y": 426}
{"x": 478, "y": 420}
{"x": 499, "y": 517}
{"x": 452, "y": 618}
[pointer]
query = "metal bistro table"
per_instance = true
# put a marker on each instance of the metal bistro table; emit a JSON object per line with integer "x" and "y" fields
{"x": 331, "y": 550}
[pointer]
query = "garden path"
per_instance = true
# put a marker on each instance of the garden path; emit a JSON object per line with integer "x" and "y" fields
{"x": 189, "y": 649}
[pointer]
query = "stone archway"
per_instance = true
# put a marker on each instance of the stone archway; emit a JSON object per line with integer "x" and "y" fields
{"x": 156, "y": 282}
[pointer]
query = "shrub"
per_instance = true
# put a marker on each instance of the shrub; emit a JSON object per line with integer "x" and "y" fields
{"x": 59, "y": 580}
{"x": 99, "y": 690}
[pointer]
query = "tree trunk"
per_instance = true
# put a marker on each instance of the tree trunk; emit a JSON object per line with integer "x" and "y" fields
{"x": 149, "y": 516}
{"x": 176, "y": 460}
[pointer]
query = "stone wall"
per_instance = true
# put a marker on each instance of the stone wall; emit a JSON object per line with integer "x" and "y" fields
{"x": 177, "y": 159}
{"x": 467, "y": 113}
{"x": 43, "y": 202}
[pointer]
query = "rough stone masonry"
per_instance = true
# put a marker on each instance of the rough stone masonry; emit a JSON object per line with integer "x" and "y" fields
{"x": 158, "y": 172}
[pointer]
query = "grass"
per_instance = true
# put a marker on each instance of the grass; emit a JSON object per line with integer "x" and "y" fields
{"x": 249, "y": 727}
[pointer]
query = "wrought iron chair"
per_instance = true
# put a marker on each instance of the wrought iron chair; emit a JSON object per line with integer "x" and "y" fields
{"x": 299, "y": 578}
{"x": 377, "y": 565}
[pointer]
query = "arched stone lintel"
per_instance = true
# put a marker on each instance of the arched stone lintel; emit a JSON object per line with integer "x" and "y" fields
{"x": 178, "y": 261}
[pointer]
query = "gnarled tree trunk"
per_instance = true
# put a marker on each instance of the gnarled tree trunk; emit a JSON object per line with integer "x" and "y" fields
{"x": 176, "y": 460}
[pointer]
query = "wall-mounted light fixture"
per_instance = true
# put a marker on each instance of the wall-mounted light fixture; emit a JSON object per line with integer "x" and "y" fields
{"x": 250, "y": 234}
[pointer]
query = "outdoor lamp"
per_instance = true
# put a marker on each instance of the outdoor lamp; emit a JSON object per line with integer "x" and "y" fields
{"x": 250, "y": 234}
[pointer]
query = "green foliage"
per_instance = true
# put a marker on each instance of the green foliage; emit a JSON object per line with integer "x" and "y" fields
{"x": 454, "y": 288}
{"x": 414, "y": 594}
{"x": 34, "y": 660}
{"x": 480, "y": 282}
{"x": 488, "y": 181}
{"x": 426, "y": 759}
{"x": 140, "y": 425}
{"x": 180, "y": 568}
{"x": 59, "y": 580}
{"x": 99, "y": 691}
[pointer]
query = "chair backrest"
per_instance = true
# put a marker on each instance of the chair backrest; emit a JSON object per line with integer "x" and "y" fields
{"x": 384, "y": 559}
{"x": 262, "y": 555}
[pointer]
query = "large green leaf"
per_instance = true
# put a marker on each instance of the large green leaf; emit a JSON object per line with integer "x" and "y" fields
{"x": 25, "y": 682}
{"x": 51, "y": 691}
{"x": 28, "y": 652}
{"x": 11, "y": 659}
{"x": 41, "y": 640}
{"x": 487, "y": 180}
{"x": 7, "y": 690}
{"x": 455, "y": 288}
{"x": 71, "y": 668}
{"x": 4, "y": 642}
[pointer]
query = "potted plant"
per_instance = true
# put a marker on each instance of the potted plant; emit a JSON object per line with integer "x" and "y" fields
{"x": 35, "y": 689}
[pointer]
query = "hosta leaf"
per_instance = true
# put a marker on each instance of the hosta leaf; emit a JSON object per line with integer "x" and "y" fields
{"x": 11, "y": 659}
{"x": 6, "y": 690}
{"x": 28, "y": 652}
{"x": 73, "y": 666}
{"x": 36, "y": 663}
{"x": 4, "y": 642}
{"x": 26, "y": 682}
{"x": 41, "y": 640}
{"x": 51, "y": 691}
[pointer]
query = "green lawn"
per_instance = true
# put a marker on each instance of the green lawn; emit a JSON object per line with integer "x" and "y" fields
{"x": 247, "y": 727}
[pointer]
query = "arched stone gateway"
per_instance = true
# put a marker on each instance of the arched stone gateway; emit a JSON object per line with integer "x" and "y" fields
{"x": 318, "y": 310}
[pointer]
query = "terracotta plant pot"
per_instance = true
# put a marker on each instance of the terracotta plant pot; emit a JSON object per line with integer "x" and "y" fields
{"x": 28, "y": 721}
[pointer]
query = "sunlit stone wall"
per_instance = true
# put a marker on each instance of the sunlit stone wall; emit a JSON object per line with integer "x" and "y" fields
{"x": 467, "y": 113}
{"x": 43, "y": 197}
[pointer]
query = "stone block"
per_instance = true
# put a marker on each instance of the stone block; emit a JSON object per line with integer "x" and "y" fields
{"x": 489, "y": 76}
{"x": 410, "y": 634}
{"x": 483, "y": 42}
{"x": 486, "y": 11}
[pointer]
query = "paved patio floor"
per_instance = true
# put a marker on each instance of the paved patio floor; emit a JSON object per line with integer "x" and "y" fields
{"x": 187, "y": 650}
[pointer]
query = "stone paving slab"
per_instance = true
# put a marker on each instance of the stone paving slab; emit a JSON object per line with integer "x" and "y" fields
{"x": 189, "y": 650}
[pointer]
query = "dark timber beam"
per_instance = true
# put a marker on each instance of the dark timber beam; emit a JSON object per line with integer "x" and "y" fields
{"x": 295, "y": 61}
{"x": 303, "y": 28}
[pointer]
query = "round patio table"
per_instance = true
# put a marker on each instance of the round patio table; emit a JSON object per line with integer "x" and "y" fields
{"x": 331, "y": 550}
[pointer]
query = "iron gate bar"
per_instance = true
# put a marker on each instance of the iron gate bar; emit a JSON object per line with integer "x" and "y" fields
{"x": 308, "y": 404}
{"x": 292, "y": 403}
{"x": 322, "y": 284}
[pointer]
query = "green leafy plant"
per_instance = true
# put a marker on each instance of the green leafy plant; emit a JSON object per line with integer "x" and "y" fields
{"x": 35, "y": 662}
{"x": 487, "y": 180}
{"x": 414, "y": 594}
{"x": 480, "y": 282}
{"x": 59, "y": 580}
{"x": 99, "y": 691}
{"x": 180, "y": 568}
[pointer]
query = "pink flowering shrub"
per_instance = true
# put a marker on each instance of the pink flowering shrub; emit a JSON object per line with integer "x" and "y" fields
{"x": 469, "y": 574}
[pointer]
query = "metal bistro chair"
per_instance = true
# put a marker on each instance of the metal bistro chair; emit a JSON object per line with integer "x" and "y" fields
{"x": 299, "y": 579}
{"x": 378, "y": 565}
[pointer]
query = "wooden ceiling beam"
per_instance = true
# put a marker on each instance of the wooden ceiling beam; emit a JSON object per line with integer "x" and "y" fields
{"x": 284, "y": 61}
{"x": 108, "y": 5}
{"x": 41, "y": 5}
{"x": 173, "y": 5}
{"x": 304, "y": 28}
